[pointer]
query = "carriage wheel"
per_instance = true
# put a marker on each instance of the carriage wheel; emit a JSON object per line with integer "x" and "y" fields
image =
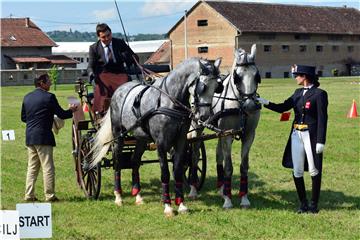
{"x": 199, "y": 170}
{"x": 75, "y": 137}
{"x": 90, "y": 178}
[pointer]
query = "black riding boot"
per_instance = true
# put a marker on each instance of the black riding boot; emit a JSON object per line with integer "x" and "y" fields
{"x": 316, "y": 186}
{"x": 300, "y": 188}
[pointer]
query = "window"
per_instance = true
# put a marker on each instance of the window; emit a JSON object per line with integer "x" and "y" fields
{"x": 302, "y": 36}
{"x": 203, "y": 49}
{"x": 319, "y": 48}
{"x": 335, "y": 48}
{"x": 302, "y": 48}
{"x": 335, "y": 37}
{"x": 268, "y": 75}
{"x": 267, "y": 48}
{"x": 285, "y": 48}
{"x": 350, "y": 48}
{"x": 267, "y": 36}
{"x": 202, "y": 22}
{"x": 286, "y": 74}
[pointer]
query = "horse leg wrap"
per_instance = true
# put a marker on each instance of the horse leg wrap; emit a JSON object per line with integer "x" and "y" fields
{"x": 227, "y": 187}
{"x": 179, "y": 195}
{"x": 220, "y": 175}
{"x": 117, "y": 182}
{"x": 166, "y": 195}
{"x": 243, "y": 186}
{"x": 135, "y": 182}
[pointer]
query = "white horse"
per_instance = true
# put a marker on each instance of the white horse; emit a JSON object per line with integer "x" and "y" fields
{"x": 235, "y": 108}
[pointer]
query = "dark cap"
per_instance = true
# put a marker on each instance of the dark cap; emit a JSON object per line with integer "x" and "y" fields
{"x": 303, "y": 69}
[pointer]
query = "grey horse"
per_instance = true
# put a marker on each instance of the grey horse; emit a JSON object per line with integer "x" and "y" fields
{"x": 159, "y": 113}
{"x": 235, "y": 108}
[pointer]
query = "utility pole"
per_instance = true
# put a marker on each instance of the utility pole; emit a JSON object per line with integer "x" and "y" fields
{"x": 185, "y": 35}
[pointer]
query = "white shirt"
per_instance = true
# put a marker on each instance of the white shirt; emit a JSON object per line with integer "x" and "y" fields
{"x": 307, "y": 88}
{"x": 106, "y": 49}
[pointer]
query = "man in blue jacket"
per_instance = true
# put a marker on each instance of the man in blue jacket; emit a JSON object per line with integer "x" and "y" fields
{"x": 38, "y": 110}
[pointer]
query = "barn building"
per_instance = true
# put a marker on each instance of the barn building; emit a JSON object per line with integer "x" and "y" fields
{"x": 24, "y": 46}
{"x": 327, "y": 37}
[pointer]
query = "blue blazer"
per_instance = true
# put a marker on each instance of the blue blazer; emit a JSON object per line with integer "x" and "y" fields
{"x": 38, "y": 109}
{"x": 310, "y": 109}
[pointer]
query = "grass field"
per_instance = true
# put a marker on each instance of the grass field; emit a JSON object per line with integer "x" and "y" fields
{"x": 271, "y": 190}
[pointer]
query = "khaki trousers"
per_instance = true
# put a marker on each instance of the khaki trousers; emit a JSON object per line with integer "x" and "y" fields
{"x": 40, "y": 156}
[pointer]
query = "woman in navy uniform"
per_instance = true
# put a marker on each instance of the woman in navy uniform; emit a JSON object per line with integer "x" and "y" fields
{"x": 304, "y": 149}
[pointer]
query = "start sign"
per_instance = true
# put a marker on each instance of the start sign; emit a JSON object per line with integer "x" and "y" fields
{"x": 35, "y": 220}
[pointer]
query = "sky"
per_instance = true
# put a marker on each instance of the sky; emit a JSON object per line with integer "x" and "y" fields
{"x": 139, "y": 16}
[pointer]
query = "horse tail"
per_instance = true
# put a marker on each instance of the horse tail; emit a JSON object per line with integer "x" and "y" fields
{"x": 102, "y": 140}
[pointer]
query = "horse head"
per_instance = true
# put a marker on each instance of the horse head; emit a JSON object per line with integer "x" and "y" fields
{"x": 203, "y": 86}
{"x": 246, "y": 77}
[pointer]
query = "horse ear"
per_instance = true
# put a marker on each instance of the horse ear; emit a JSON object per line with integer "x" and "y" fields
{"x": 253, "y": 52}
{"x": 202, "y": 67}
{"x": 217, "y": 63}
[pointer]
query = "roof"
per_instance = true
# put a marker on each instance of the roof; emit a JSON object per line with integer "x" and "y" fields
{"x": 54, "y": 59}
{"x": 162, "y": 55}
{"x": 281, "y": 18}
{"x": 22, "y": 32}
{"x": 30, "y": 59}
{"x": 83, "y": 47}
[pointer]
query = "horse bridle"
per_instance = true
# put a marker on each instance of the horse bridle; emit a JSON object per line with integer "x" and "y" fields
{"x": 237, "y": 79}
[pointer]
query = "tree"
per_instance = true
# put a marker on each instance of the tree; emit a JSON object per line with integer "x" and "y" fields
{"x": 54, "y": 75}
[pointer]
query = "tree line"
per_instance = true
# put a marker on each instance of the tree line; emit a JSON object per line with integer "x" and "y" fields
{"x": 76, "y": 36}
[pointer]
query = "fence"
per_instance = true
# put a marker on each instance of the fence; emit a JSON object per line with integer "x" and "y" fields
{"x": 21, "y": 77}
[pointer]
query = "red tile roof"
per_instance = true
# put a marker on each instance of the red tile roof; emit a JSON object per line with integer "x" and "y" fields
{"x": 61, "y": 59}
{"x": 162, "y": 55}
{"x": 54, "y": 59}
{"x": 281, "y": 18}
{"x": 22, "y": 32}
{"x": 29, "y": 59}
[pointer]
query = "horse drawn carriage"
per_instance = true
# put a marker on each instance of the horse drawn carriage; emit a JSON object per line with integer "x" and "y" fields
{"x": 85, "y": 125}
{"x": 145, "y": 117}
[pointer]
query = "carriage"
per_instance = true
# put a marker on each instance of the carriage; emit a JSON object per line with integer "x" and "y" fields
{"x": 85, "y": 124}
{"x": 195, "y": 80}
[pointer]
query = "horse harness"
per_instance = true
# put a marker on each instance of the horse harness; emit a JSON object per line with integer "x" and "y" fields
{"x": 180, "y": 112}
{"x": 239, "y": 111}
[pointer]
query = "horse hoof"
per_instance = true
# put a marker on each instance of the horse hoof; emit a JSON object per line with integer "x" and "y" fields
{"x": 245, "y": 203}
{"x": 193, "y": 192}
{"x": 168, "y": 211}
{"x": 118, "y": 203}
{"x": 182, "y": 209}
{"x": 227, "y": 203}
{"x": 139, "y": 200}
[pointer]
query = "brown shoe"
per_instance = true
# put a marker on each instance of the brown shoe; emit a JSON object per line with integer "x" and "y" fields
{"x": 31, "y": 199}
{"x": 52, "y": 199}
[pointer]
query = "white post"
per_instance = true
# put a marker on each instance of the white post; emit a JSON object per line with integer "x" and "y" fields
{"x": 185, "y": 35}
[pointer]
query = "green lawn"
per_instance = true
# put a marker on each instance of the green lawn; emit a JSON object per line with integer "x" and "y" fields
{"x": 271, "y": 190}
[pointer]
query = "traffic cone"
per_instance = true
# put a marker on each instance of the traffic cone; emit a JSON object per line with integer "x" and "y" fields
{"x": 85, "y": 108}
{"x": 352, "y": 112}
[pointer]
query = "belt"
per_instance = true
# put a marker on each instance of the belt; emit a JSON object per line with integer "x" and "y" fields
{"x": 301, "y": 127}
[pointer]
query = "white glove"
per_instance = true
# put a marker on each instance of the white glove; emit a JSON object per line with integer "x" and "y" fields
{"x": 262, "y": 101}
{"x": 319, "y": 148}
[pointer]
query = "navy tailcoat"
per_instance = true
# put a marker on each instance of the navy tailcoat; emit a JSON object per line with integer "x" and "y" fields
{"x": 310, "y": 109}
